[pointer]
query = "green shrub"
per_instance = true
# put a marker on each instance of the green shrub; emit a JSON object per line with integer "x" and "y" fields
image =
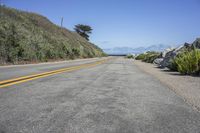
{"x": 129, "y": 56}
{"x": 140, "y": 57}
{"x": 76, "y": 52}
{"x": 173, "y": 65}
{"x": 188, "y": 62}
{"x": 148, "y": 57}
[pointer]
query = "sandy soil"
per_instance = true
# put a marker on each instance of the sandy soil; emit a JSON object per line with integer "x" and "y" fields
{"x": 188, "y": 87}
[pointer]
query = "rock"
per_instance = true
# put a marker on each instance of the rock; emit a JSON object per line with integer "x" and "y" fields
{"x": 163, "y": 54}
{"x": 158, "y": 61}
{"x": 196, "y": 43}
{"x": 171, "y": 55}
{"x": 166, "y": 51}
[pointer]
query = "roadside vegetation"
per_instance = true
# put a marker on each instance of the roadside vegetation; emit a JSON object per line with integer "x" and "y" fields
{"x": 184, "y": 59}
{"x": 29, "y": 37}
{"x": 130, "y": 56}
{"x": 148, "y": 57}
{"x": 188, "y": 62}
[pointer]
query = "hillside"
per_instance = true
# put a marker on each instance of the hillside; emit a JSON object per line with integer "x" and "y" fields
{"x": 29, "y": 37}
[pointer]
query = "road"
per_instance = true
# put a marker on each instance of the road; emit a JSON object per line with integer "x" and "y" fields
{"x": 113, "y": 97}
{"x": 8, "y": 72}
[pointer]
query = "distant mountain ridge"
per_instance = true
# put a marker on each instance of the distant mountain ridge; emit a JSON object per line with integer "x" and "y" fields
{"x": 129, "y": 50}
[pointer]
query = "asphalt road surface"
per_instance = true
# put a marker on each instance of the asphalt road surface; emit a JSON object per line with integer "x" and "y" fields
{"x": 113, "y": 97}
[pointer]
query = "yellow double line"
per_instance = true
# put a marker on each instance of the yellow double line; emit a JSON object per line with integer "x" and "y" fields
{"x": 22, "y": 79}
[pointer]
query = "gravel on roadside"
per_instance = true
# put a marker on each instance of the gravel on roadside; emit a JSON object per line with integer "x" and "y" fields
{"x": 188, "y": 87}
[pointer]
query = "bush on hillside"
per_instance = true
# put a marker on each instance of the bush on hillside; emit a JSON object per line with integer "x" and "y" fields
{"x": 29, "y": 37}
{"x": 188, "y": 62}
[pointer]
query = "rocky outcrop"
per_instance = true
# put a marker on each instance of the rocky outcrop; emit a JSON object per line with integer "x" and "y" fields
{"x": 158, "y": 61}
{"x": 196, "y": 43}
{"x": 168, "y": 56}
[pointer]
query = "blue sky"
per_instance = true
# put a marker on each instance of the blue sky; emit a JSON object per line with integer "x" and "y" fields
{"x": 118, "y": 23}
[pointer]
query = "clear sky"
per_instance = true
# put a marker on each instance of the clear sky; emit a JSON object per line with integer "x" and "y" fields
{"x": 117, "y": 23}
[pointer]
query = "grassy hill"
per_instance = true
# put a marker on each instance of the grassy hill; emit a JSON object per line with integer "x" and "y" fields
{"x": 30, "y": 37}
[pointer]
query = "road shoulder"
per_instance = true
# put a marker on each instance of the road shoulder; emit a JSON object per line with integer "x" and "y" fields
{"x": 187, "y": 87}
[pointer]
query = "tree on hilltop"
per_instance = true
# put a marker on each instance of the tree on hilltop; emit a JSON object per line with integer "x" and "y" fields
{"x": 83, "y": 30}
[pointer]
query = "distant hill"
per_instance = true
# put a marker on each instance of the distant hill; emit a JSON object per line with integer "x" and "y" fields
{"x": 128, "y": 50}
{"x": 30, "y": 37}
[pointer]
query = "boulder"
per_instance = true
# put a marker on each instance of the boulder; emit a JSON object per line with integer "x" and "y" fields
{"x": 169, "y": 54}
{"x": 158, "y": 61}
{"x": 167, "y": 60}
{"x": 196, "y": 43}
{"x": 166, "y": 51}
